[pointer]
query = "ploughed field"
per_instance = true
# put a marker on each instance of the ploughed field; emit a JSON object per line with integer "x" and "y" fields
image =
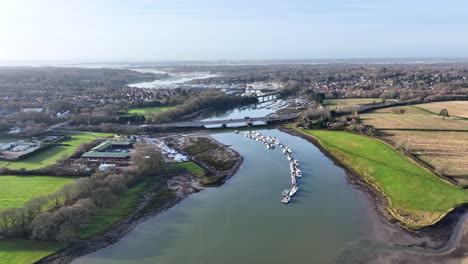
{"x": 412, "y": 118}
{"x": 442, "y": 144}
{"x": 350, "y": 102}
{"x": 455, "y": 108}
{"x": 416, "y": 197}
{"x": 446, "y": 151}
{"x": 17, "y": 190}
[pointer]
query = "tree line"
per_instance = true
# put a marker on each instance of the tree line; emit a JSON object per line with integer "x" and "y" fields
{"x": 60, "y": 215}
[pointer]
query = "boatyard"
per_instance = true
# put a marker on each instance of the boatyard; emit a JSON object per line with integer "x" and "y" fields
{"x": 271, "y": 143}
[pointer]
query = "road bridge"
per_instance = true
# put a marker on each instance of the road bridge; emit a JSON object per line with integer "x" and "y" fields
{"x": 195, "y": 124}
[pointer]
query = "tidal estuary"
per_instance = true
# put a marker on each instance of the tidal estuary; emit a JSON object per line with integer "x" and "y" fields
{"x": 243, "y": 220}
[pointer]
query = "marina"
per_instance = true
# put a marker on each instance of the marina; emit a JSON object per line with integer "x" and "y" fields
{"x": 270, "y": 143}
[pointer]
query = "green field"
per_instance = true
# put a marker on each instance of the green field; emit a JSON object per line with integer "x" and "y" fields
{"x": 148, "y": 111}
{"x": 16, "y": 190}
{"x": 106, "y": 217}
{"x": 190, "y": 167}
{"x": 349, "y": 102}
{"x": 22, "y": 251}
{"x": 50, "y": 155}
{"x": 416, "y": 197}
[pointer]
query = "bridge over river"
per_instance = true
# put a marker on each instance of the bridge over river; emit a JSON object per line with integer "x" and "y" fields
{"x": 266, "y": 119}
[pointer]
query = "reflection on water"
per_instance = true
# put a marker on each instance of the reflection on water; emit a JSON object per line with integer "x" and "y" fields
{"x": 243, "y": 221}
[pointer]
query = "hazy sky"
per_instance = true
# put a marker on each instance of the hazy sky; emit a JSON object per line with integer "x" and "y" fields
{"x": 235, "y": 29}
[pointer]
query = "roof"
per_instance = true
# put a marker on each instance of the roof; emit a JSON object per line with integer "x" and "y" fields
{"x": 108, "y": 143}
{"x": 94, "y": 154}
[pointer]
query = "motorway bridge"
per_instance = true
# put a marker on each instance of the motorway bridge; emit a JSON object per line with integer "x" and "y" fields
{"x": 190, "y": 124}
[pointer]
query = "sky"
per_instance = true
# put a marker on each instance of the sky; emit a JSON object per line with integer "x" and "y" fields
{"x": 144, "y": 30}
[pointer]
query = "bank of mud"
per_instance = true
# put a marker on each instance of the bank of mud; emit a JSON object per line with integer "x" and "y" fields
{"x": 397, "y": 243}
{"x": 150, "y": 206}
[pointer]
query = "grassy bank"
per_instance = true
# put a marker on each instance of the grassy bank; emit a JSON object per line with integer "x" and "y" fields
{"x": 22, "y": 251}
{"x": 52, "y": 154}
{"x": 416, "y": 197}
{"x": 17, "y": 190}
{"x": 190, "y": 167}
{"x": 106, "y": 217}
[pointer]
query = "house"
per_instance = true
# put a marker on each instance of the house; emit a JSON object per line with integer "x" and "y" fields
{"x": 112, "y": 146}
{"x": 109, "y": 151}
{"x": 106, "y": 156}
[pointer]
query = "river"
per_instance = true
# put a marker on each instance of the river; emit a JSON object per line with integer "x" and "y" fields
{"x": 243, "y": 220}
{"x": 173, "y": 81}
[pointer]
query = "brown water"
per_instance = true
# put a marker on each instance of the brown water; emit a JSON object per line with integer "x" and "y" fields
{"x": 243, "y": 221}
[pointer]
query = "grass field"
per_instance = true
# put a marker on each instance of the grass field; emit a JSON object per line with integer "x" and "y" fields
{"x": 148, "y": 111}
{"x": 16, "y": 190}
{"x": 446, "y": 151}
{"x": 416, "y": 197}
{"x": 106, "y": 217}
{"x": 413, "y": 118}
{"x": 23, "y": 251}
{"x": 349, "y": 102}
{"x": 52, "y": 154}
{"x": 190, "y": 167}
{"x": 455, "y": 108}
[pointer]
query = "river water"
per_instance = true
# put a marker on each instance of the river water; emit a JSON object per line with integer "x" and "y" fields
{"x": 243, "y": 220}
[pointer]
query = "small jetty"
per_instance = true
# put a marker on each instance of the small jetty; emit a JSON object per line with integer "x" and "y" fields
{"x": 270, "y": 143}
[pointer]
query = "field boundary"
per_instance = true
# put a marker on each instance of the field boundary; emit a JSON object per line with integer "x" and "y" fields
{"x": 389, "y": 208}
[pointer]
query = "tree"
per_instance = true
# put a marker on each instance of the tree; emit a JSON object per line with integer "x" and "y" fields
{"x": 44, "y": 226}
{"x": 147, "y": 160}
{"x": 103, "y": 196}
{"x": 444, "y": 113}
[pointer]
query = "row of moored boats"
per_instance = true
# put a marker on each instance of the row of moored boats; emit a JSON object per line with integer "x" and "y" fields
{"x": 271, "y": 143}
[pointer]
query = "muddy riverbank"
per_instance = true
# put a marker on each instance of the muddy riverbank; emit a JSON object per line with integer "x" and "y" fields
{"x": 145, "y": 210}
{"x": 444, "y": 242}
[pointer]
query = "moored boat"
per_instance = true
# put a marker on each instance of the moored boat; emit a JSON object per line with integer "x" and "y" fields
{"x": 286, "y": 199}
{"x": 293, "y": 190}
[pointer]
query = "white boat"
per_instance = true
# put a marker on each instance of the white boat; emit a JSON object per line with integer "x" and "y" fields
{"x": 296, "y": 162}
{"x": 298, "y": 173}
{"x": 293, "y": 190}
{"x": 294, "y": 181}
{"x": 284, "y": 151}
{"x": 289, "y": 150}
{"x": 289, "y": 158}
{"x": 286, "y": 199}
{"x": 236, "y": 132}
{"x": 286, "y": 192}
